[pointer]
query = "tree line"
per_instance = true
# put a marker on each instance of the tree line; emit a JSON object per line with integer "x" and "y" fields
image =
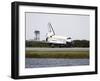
{"x": 80, "y": 43}
{"x": 74, "y": 43}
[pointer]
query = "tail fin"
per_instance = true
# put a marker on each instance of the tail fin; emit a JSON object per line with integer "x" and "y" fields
{"x": 51, "y": 30}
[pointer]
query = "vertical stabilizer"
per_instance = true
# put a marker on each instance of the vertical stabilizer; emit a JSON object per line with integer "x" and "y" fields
{"x": 51, "y": 30}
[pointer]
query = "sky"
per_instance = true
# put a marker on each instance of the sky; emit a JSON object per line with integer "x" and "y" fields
{"x": 70, "y": 25}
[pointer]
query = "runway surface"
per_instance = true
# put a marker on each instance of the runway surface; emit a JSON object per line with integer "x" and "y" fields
{"x": 57, "y": 49}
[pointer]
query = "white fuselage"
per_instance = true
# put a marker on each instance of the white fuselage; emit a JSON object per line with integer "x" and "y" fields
{"x": 58, "y": 39}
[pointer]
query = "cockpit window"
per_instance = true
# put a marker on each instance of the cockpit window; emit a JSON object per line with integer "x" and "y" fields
{"x": 69, "y": 38}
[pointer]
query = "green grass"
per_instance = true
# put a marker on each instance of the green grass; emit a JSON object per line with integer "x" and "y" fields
{"x": 56, "y": 54}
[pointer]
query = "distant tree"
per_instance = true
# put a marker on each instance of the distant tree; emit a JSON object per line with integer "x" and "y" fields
{"x": 80, "y": 43}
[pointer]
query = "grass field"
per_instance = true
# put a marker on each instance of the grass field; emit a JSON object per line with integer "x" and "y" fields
{"x": 57, "y": 54}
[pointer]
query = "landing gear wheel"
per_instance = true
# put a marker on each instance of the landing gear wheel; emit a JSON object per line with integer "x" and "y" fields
{"x": 68, "y": 44}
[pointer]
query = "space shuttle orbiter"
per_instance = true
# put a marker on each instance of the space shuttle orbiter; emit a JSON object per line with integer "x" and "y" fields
{"x": 54, "y": 39}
